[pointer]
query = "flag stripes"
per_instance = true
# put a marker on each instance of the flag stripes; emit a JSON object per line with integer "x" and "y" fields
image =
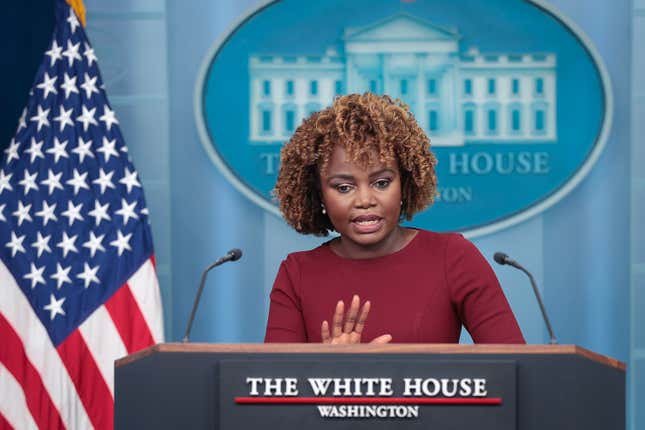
{"x": 91, "y": 387}
{"x": 145, "y": 290}
{"x": 107, "y": 332}
{"x": 107, "y": 343}
{"x": 129, "y": 320}
{"x": 43, "y": 356}
{"x": 35, "y": 400}
{"x": 15, "y": 407}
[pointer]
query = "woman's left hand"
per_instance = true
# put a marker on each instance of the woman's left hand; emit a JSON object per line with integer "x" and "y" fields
{"x": 351, "y": 330}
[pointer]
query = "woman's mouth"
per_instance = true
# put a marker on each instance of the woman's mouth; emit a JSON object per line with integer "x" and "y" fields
{"x": 366, "y": 224}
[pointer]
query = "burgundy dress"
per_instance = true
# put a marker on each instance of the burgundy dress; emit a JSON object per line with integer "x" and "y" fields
{"x": 423, "y": 293}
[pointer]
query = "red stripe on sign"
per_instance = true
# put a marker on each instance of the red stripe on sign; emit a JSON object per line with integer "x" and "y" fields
{"x": 370, "y": 400}
{"x": 4, "y": 424}
{"x": 153, "y": 260}
{"x": 88, "y": 380}
{"x": 129, "y": 320}
{"x": 14, "y": 357}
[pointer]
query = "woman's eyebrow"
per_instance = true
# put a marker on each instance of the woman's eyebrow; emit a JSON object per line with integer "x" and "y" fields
{"x": 381, "y": 171}
{"x": 345, "y": 176}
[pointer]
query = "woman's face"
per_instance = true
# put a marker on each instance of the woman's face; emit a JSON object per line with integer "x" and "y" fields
{"x": 364, "y": 205}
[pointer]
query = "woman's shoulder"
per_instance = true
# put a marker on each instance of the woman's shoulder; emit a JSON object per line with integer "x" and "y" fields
{"x": 442, "y": 246}
{"x": 434, "y": 239}
{"x": 315, "y": 255}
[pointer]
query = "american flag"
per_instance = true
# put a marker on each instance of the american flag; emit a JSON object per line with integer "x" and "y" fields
{"x": 78, "y": 287}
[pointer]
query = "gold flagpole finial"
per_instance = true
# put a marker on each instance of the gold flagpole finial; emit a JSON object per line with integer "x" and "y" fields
{"x": 79, "y": 9}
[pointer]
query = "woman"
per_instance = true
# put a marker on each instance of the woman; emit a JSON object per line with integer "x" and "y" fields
{"x": 358, "y": 168}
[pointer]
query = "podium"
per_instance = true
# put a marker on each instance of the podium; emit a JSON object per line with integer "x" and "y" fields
{"x": 312, "y": 386}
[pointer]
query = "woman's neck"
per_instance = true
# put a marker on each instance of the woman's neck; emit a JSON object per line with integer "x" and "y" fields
{"x": 395, "y": 241}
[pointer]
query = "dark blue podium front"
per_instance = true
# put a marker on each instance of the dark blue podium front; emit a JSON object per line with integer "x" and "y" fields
{"x": 243, "y": 386}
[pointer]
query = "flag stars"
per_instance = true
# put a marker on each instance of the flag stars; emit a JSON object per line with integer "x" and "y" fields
{"x": 47, "y": 213}
{"x": 87, "y": 117}
{"x": 29, "y": 181}
{"x": 35, "y": 150}
{"x": 89, "y": 55}
{"x": 62, "y": 275}
{"x": 108, "y": 149}
{"x": 47, "y": 85}
{"x": 5, "y": 183}
{"x": 48, "y": 135}
{"x": 73, "y": 21}
{"x": 41, "y": 118}
{"x": 78, "y": 181}
{"x": 127, "y": 211}
{"x": 122, "y": 242}
{"x": 12, "y": 151}
{"x": 69, "y": 85}
{"x": 22, "y": 213}
{"x": 52, "y": 181}
{"x": 16, "y": 244}
{"x": 42, "y": 244}
{"x": 35, "y": 275}
{"x": 130, "y": 180}
{"x": 72, "y": 53}
{"x": 73, "y": 212}
{"x": 59, "y": 149}
{"x": 89, "y": 85}
{"x": 94, "y": 243}
{"x": 99, "y": 212}
{"x": 83, "y": 149}
{"x": 22, "y": 122}
{"x": 67, "y": 244}
{"x": 54, "y": 53}
{"x": 64, "y": 117}
{"x": 108, "y": 117}
{"x": 104, "y": 180}
{"x": 88, "y": 275}
{"x": 55, "y": 307}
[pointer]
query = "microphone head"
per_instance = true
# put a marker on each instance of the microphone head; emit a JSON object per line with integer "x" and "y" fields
{"x": 235, "y": 254}
{"x": 500, "y": 258}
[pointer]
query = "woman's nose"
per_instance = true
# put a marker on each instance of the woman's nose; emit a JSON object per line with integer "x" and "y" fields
{"x": 365, "y": 197}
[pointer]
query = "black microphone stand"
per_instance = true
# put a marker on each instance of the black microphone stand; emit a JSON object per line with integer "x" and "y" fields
{"x": 232, "y": 255}
{"x": 502, "y": 258}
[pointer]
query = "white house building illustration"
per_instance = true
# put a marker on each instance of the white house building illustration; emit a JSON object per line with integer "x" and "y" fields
{"x": 458, "y": 98}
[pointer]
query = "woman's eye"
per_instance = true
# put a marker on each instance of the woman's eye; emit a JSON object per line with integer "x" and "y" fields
{"x": 343, "y": 188}
{"x": 382, "y": 184}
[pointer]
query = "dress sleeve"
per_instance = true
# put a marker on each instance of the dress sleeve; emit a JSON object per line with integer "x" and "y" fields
{"x": 477, "y": 296}
{"x": 285, "y": 323}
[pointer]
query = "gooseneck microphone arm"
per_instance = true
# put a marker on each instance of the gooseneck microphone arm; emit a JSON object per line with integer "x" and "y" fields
{"x": 503, "y": 259}
{"x": 232, "y": 255}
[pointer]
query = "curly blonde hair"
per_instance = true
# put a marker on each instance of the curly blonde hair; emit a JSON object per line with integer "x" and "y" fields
{"x": 367, "y": 126}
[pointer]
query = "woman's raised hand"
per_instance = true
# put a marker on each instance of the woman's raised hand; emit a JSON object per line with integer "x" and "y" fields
{"x": 351, "y": 329}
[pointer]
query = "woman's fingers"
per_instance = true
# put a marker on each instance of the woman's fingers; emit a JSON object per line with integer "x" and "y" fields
{"x": 337, "y": 328}
{"x": 386, "y": 338}
{"x": 324, "y": 332}
{"x": 350, "y": 320}
{"x": 362, "y": 317}
{"x": 348, "y": 328}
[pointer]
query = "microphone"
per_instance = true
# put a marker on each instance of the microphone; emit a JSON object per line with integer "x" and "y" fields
{"x": 504, "y": 259}
{"x": 232, "y": 255}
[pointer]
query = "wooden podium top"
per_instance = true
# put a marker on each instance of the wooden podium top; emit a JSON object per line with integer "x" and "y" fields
{"x": 317, "y": 348}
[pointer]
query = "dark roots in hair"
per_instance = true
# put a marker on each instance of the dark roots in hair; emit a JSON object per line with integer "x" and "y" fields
{"x": 366, "y": 125}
